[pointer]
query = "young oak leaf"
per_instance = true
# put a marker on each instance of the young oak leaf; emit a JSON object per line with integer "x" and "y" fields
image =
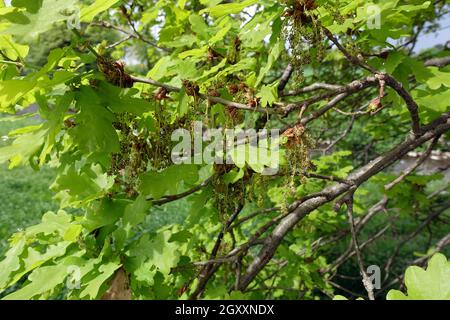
{"x": 430, "y": 284}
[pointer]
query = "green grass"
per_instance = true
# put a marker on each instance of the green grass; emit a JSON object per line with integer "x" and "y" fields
{"x": 24, "y": 197}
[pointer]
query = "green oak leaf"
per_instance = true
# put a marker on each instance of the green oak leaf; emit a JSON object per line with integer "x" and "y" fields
{"x": 104, "y": 213}
{"x": 29, "y": 24}
{"x": 11, "y": 49}
{"x": 88, "y": 13}
{"x": 106, "y": 271}
{"x": 34, "y": 259}
{"x": 439, "y": 79}
{"x": 430, "y": 284}
{"x": 228, "y": 8}
{"x": 41, "y": 280}
{"x": 268, "y": 95}
{"x": 11, "y": 263}
{"x": 23, "y": 148}
{"x": 158, "y": 251}
{"x": 437, "y": 101}
{"x": 168, "y": 181}
{"x": 83, "y": 185}
{"x": 94, "y": 131}
{"x": 135, "y": 213}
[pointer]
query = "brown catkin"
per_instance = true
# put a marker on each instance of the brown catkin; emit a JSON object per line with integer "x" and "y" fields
{"x": 114, "y": 72}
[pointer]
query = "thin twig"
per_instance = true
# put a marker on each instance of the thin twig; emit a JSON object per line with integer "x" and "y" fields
{"x": 170, "y": 198}
{"x": 366, "y": 280}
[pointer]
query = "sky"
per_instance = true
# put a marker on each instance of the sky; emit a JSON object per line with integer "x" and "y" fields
{"x": 441, "y": 37}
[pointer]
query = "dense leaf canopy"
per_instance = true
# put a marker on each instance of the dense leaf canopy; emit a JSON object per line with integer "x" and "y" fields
{"x": 340, "y": 80}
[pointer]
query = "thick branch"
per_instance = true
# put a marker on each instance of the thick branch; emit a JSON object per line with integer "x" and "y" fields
{"x": 312, "y": 88}
{"x": 272, "y": 242}
{"x": 222, "y": 101}
{"x": 285, "y": 77}
{"x": 348, "y": 89}
{"x": 410, "y": 103}
{"x": 438, "y": 62}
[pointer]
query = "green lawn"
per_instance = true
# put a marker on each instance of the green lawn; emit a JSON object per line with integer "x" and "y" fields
{"x": 24, "y": 197}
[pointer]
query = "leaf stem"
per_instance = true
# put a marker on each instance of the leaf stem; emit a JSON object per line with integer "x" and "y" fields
{"x": 77, "y": 33}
